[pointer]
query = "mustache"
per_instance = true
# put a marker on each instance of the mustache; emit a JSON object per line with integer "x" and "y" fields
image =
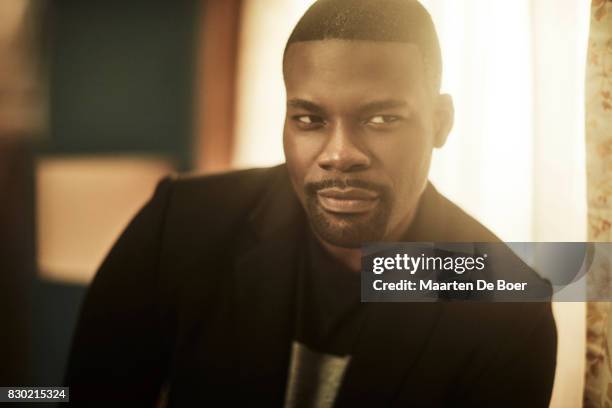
{"x": 311, "y": 188}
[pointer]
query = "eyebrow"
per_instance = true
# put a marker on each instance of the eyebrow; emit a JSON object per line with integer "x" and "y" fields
{"x": 306, "y": 105}
{"x": 383, "y": 105}
{"x": 373, "y": 106}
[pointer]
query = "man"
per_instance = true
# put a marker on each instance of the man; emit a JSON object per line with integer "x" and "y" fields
{"x": 243, "y": 288}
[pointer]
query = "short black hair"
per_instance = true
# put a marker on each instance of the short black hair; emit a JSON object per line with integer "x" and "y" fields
{"x": 373, "y": 20}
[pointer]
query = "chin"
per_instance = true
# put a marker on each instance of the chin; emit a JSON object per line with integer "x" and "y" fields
{"x": 347, "y": 230}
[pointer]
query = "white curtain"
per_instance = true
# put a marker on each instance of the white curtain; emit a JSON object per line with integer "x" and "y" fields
{"x": 515, "y": 159}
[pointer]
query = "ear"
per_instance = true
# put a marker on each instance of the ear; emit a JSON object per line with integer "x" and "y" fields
{"x": 444, "y": 117}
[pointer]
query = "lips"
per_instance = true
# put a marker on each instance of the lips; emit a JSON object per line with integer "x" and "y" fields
{"x": 347, "y": 201}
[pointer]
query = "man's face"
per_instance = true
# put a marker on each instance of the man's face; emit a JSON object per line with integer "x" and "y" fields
{"x": 358, "y": 137}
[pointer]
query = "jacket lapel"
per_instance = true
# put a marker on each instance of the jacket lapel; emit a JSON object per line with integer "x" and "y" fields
{"x": 265, "y": 294}
{"x": 392, "y": 339}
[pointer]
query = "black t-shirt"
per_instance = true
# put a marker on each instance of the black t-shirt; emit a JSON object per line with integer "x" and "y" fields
{"x": 329, "y": 315}
{"x": 329, "y": 308}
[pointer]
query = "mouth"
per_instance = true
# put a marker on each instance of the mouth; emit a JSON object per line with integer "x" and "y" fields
{"x": 347, "y": 201}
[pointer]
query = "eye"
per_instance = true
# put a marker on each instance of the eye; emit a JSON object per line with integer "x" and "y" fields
{"x": 308, "y": 121}
{"x": 383, "y": 119}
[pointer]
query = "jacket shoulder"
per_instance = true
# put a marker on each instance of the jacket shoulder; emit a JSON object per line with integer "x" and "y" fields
{"x": 227, "y": 186}
{"x": 207, "y": 210}
{"x": 461, "y": 226}
{"x": 218, "y": 195}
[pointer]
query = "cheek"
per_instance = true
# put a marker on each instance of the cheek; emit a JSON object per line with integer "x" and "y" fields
{"x": 300, "y": 156}
{"x": 405, "y": 159}
{"x": 301, "y": 151}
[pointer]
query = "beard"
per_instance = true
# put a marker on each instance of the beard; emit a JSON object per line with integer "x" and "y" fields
{"x": 348, "y": 230}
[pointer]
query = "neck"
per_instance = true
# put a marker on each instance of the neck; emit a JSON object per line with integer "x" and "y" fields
{"x": 349, "y": 257}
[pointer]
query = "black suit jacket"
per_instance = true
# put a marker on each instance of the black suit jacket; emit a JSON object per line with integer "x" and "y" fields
{"x": 196, "y": 302}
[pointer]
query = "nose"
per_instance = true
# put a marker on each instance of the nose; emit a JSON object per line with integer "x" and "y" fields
{"x": 341, "y": 153}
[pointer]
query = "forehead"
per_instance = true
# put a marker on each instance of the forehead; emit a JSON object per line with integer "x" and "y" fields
{"x": 347, "y": 67}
